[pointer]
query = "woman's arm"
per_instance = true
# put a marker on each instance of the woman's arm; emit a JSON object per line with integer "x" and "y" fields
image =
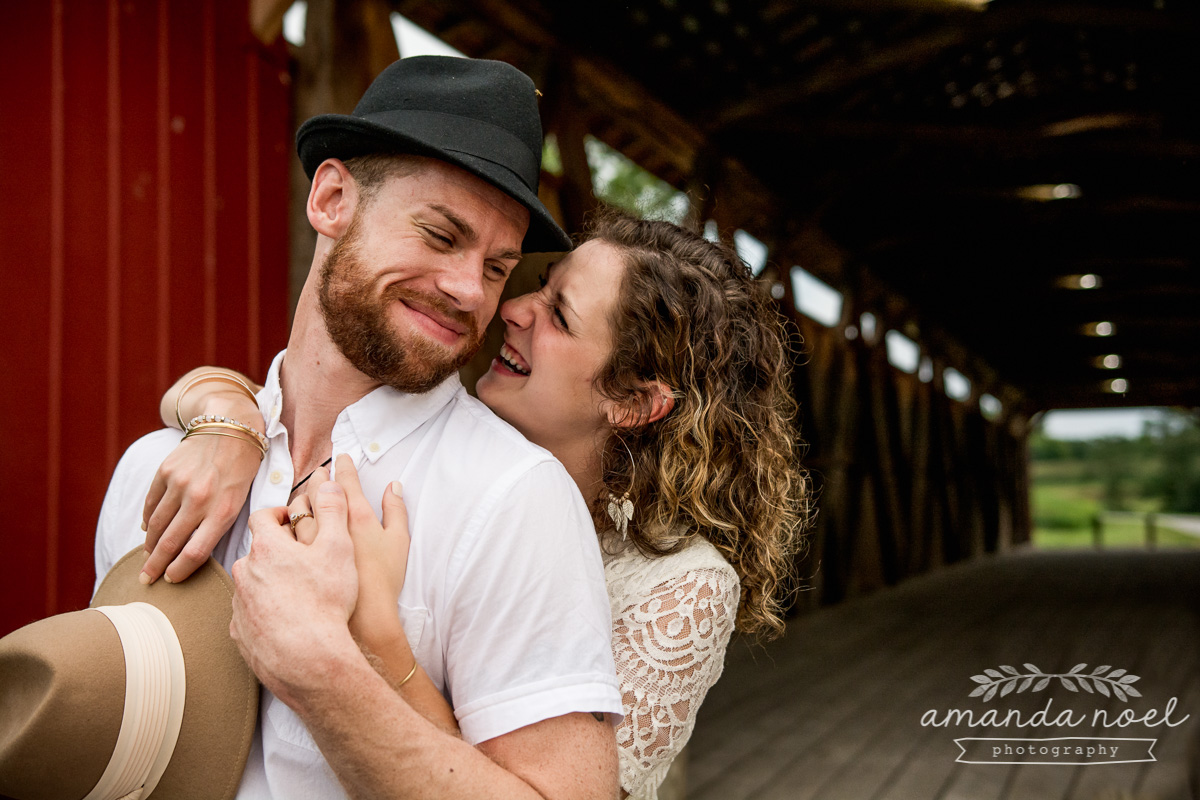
{"x": 669, "y": 648}
{"x": 381, "y": 559}
{"x": 200, "y": 488}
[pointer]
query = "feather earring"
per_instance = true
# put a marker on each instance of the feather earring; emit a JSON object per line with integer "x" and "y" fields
{"x": 620, "y": 509}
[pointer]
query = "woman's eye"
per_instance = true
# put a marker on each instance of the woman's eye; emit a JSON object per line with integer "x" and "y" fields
{"x": 561, "y": 319}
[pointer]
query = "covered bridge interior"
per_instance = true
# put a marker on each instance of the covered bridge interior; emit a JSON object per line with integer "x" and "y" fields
{"x": 1005, "y": 190}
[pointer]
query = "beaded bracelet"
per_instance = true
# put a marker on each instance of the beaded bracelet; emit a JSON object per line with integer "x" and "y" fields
{"x": 211, "y": 376}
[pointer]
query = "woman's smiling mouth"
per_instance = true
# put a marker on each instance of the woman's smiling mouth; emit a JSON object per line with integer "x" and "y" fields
{"x": 512, "y": 360}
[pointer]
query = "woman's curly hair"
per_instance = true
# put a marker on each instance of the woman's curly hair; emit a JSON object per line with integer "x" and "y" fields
{"x": 724, "y": 463}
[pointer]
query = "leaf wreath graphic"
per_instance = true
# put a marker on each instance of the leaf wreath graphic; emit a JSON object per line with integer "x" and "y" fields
{"x": 1007, "y": 680}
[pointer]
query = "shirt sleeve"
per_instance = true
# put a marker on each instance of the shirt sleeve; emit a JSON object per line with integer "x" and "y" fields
{"x": 670, "y": 649}
{"x": 529, "y": 625}
{"x": 119, "y": 529}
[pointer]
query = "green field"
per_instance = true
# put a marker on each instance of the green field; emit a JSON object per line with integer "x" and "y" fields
{"x": 1064, "y": 505}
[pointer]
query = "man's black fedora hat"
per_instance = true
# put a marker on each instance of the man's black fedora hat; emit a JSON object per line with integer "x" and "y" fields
{"x": 479, "y": 115}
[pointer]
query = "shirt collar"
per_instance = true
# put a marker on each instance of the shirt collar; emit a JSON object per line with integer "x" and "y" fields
{"x": 383, "y": 417}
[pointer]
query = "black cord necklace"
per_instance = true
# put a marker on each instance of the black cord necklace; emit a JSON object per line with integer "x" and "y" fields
{"x": 324, "y": 463}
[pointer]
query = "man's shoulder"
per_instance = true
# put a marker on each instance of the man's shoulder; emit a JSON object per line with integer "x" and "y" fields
{"x": 478, "y": 430}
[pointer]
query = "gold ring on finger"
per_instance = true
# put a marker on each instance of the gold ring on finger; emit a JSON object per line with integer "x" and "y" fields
{"x": 294, "y": 518}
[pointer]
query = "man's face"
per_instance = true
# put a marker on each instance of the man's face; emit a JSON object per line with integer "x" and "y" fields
{"x": 409, "y": 288}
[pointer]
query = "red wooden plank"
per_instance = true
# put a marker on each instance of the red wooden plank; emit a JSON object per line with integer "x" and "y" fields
{"x": 82, "y": 441}
{"x": 140, "y": 323}
{"x": 230, "y": 209}
{"x": 25, "y": 50}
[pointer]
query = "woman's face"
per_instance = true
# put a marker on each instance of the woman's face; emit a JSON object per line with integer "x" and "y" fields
{"x": 555, "y": 342}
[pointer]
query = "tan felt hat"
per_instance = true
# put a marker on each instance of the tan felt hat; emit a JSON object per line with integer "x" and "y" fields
{"x": 143, "y": 694}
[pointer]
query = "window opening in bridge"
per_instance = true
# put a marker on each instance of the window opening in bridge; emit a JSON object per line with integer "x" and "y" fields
{"x": 752, "y": 251}
{"x": 868, "y": 323}
{"x": 1117, "y": 386}
{"x": 293, "y": 22}
{"x": 1110, "y": 361}
{"x": 413, "y": 40}
{"x": 551, "y": 157}
{"x": 1115, "y": 477}
{"x": 816, "y": 299}
{"x": 925, "y": 370}
{"x": 903, "y": 353}
{"x": 958, "y": 387}
{"x": 990, "y": 407}
{"x": 621, "y": 182}
{"x": 712, "y": 232}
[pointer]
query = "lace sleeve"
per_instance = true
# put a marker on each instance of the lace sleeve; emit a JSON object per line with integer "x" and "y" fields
{"x": 669, "y": 649}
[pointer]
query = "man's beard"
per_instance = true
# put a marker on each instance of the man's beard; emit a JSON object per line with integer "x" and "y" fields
{"x": 357, "y": 322}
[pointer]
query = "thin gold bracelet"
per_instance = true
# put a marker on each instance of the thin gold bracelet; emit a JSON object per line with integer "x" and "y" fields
{"x": 240, "y": 436}
{"x": 210, "y": 376}
{"x": 408, "y": 677}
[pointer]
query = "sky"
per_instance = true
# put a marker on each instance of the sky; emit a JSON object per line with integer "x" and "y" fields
{"x": 1093, "y": 423}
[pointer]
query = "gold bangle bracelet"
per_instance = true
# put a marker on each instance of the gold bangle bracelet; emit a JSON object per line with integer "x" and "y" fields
{"x": 210, "y": 376}
{"x": 408, "y": 677}
{"x": 241, "y": 436}
{"x": 228, "y": 422}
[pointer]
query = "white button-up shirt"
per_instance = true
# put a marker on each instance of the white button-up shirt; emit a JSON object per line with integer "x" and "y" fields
{"x": 504, "y": 601}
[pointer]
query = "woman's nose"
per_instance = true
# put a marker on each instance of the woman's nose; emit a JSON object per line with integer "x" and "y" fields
{"x": 518, "y": 311}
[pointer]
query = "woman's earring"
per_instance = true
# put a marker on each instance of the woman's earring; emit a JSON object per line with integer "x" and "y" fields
{"x": 620, "y": 509}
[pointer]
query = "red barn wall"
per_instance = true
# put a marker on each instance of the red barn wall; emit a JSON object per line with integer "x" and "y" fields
{"x": 144, "y": 152}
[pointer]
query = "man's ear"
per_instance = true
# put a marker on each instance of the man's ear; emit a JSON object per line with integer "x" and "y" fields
{"x": 654, "y": 402}
{"x": 332, "y": 199}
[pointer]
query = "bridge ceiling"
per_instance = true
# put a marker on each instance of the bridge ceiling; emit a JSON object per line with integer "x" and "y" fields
{"x": 967, "y": 157}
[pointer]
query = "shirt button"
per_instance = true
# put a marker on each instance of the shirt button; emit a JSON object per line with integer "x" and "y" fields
{"x": 276, "y": 476}
{"x": 373, "y": 447}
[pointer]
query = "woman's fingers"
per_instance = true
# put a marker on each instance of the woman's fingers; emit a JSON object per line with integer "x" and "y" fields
{"x": 304, "y": 523}
{"x": 395, "y": 513}
{"x": 158, "y": 488}
{"x": 164, "y": 512}
{"x": 196, "y": 551}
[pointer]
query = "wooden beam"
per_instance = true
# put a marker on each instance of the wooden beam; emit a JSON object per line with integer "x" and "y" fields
{"x": 266, "y": 18}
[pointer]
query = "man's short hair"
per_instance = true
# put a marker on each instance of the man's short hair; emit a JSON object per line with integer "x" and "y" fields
{"x": 371, "y": 171}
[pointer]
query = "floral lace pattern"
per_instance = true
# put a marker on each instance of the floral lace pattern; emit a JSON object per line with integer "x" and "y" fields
{"x": 672, "y": 619}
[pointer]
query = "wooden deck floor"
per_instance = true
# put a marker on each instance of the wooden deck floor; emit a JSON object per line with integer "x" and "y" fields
{"x": 834, "y": 709}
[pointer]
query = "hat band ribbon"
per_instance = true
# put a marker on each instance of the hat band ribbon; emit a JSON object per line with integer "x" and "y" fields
{"x": 154, "y": 699}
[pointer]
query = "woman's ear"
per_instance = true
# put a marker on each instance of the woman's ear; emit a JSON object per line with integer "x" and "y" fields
{"x": 332, "y": 199}
{"x": 654, "y": 402}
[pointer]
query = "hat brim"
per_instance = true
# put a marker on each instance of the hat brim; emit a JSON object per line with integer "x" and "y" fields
{"x": 221, "y": 705}
{"x": 343, "y": 137}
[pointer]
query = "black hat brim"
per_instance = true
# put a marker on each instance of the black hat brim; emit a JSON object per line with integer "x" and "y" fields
{"x": 343, "y": 137}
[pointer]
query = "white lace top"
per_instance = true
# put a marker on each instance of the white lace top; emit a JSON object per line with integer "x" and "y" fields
{"x": 672, "y": 619}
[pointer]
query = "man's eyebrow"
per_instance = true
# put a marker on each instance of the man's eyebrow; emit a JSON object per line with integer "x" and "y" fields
{"x": 467, "y": 232}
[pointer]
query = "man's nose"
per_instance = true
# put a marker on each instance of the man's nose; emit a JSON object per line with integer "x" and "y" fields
{"x": 462, "y": 282}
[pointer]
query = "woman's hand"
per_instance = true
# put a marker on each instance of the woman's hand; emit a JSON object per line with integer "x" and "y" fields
{"x": 381, "y": 560}
{"x": 197, "y": 493}
{"x": 380, "y": 554}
